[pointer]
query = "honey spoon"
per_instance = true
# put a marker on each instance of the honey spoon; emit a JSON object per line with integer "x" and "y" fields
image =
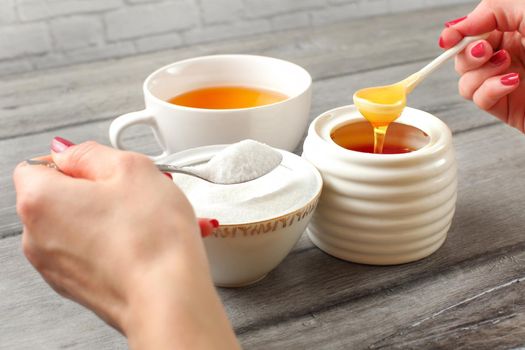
{"x": 381, "y": 105}
{"x": 368, "y": 99}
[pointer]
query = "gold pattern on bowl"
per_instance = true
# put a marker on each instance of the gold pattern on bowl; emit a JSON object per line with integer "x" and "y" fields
{"x": 266, "y": 226}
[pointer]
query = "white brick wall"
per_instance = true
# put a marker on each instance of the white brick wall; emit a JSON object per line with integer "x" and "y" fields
{"x": 31, "y": 10}
{"x": 77, "y": 31}
{"x": 7, "y": 12}
{"x": 24, "y": 40}
{"x": 36, "y": 34}
{"x": 143, "y": 20}
{"x": 222, "y": 11}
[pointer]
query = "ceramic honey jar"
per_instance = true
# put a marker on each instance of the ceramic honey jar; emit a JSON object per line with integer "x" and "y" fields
{"x": 382, "y": 209}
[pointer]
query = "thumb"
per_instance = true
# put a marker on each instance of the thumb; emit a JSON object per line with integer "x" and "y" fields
{"x": 91, "y": 160}
{"x": 488, "y": 16}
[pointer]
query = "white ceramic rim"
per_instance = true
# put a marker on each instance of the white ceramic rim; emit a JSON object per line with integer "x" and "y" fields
{"x": 435, "y": 142}
{"x": 148, "y": 93}
{"x": 204, "y": 153}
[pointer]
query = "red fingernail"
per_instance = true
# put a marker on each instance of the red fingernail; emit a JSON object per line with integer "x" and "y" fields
{"x": 441, "y": 43}
{"x": 207, "y": 226}
{"x": 214, "y": 223}
{"x": 510, "y": 79}
{"x": 478, "y": 50}
{"x": 499, "y": 58}
{"x": 169, "y": 175}
{"x": 455, "y": 21}
{"x": 59, "y": 144}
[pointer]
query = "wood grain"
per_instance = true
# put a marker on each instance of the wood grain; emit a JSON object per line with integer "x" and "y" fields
{"x": 465, "y": 307}
{"x": 467, "y": 295}
{"x": 34, "y": 317}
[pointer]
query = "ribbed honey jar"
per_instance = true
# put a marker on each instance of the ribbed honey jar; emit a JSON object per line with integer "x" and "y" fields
{"x": 382, "y": 209}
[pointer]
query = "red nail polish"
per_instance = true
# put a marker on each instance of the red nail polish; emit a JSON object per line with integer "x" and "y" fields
{"x": 441, "y": 43}
{"x": 169, "y": 175}
{"x": 478, "y": 50}
{"x": 214, "y": 223}
{"x": 207, "y": 226}
{"x": 510, "y": 79}
{"x": 58, "y": 144}
{"x": 455, "y": 21}
{"x": 499, "y": 58}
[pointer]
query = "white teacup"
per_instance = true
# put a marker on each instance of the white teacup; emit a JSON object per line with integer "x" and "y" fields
{"x": 176, "y": 128}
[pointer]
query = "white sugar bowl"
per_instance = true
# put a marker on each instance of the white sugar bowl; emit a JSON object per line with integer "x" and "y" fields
{"x": 260, "y": 220}
{"x": 382, "y": 209}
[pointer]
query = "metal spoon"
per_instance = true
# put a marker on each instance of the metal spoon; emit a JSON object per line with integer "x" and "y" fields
{"x": 165, "y": 168}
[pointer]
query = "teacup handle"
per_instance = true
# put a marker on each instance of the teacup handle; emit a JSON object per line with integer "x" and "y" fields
{"x": 123, "y": 122}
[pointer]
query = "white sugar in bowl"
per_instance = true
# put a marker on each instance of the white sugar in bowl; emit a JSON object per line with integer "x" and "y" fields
{"x": 260, "y": 220}
{"x": 382, "y": 209}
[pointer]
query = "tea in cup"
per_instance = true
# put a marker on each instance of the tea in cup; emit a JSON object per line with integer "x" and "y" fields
{"x": 223, "y": 99}
{"x": 227, "y": 97}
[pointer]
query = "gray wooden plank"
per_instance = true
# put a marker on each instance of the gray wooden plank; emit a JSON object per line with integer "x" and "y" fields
{"x": 99, "y": 91}
{"x": 468, "y": 307}
{"x": 487, "y": 233}
{"x": 37, "y": 318}
{"x": 491, "y": 319}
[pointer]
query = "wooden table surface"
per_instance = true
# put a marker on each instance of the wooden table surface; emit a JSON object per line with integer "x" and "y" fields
{"x": 466, "y": 295}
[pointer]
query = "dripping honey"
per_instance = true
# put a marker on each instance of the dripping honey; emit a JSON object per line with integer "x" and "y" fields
{"x": 359, "y": 137}
{"x": 381, "y": 106}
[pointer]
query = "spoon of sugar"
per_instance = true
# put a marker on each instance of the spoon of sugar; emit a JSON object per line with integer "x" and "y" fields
{"x": 238, "y": 163}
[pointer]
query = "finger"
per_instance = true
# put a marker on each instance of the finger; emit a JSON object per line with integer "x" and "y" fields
{"x": 474, "y": 56}
{"x": 516, "y": 111}
{"x": 207, "y": 226}
{"x": 502, "y": 15}
{"x": 47, "y": 158}
{"x": 494, "y": 89}
{"x": 56, "y": 281}
{"x": 35, "y": 186}
{"x": 449, "y": 37}
{"x": 472, "y": 80}
{"x": 93, "y": 161}
{"x": 479, "y": 21}
{"x": 29, "y": 250}
{"x": 59, "y": 144}
{"x": 488, "y": 16}
{"x": 453, "y": 36}
{"x": 42, "y": 262}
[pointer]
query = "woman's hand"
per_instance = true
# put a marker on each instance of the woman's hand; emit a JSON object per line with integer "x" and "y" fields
{"x": 490, "y": 69}
{"x": 114, "y": 234}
